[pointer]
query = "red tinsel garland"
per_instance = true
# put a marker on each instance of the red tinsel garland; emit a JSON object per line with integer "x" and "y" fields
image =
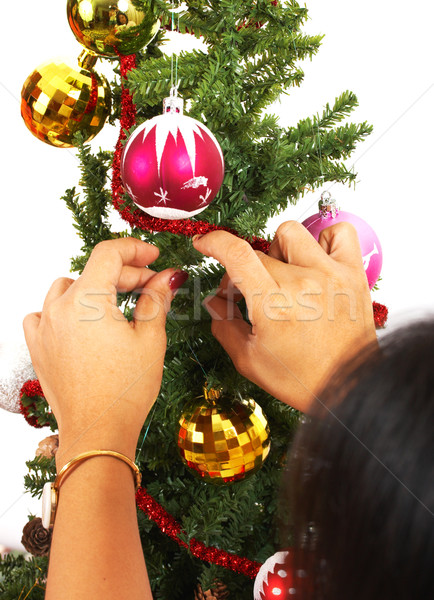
{"x": 381, "y": 313}
{"x": 128, "y": 119}
{"x": 172, "y": 528}
{"x": 93, "y": 97}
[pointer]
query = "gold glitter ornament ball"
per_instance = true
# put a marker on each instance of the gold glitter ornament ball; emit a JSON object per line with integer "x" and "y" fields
{"x": 223, "y": 439}
{"x": 60, "y": 99}
{"x": 109, "y": 27}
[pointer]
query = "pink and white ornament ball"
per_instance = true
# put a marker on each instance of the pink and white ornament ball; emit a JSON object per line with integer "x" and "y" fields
{"x": 369, "y": 243}
{"x": 172, "y": 166}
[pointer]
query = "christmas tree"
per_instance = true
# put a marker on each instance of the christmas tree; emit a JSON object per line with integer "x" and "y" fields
{"x": 252, "y": 53}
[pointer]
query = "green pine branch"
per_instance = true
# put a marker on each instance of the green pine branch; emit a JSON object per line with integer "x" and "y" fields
{"x": 41, "y": 471}
{"x": 22, "y": 577}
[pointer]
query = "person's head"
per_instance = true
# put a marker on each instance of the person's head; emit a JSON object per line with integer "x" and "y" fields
{"x": 361, "y": 478}
{"x": 121, "y": 18}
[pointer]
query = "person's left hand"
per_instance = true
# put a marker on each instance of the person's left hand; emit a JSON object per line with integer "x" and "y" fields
{"x": 100, "y": 373}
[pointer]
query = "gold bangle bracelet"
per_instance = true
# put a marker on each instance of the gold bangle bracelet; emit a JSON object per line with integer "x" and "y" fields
{"x": 85, "y": 455}
{"x": 51, "y": 489}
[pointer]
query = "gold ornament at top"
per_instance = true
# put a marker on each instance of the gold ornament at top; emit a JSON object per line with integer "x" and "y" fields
{"x": 109, "y": 27}
{"x": 60, "y": 99}
{"x": 223, "y": 439}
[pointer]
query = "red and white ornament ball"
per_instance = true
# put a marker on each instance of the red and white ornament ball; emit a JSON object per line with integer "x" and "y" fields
{"x": 275, "y": 580}
{"x": 172, "y": 166}
{"x": 369, "y": 243}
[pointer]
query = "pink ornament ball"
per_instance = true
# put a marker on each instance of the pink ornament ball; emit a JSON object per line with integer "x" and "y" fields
{"x": 368, "y": 239}
{"x": 172, "y": 166}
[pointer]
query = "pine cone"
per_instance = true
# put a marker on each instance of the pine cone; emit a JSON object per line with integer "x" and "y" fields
{"x": 218, "y": 592}
{"x": 36, "y": 539}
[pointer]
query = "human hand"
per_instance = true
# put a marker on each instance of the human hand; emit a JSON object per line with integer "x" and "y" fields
{"x": 308, "y": 304}
{"x": 100, "y": 373}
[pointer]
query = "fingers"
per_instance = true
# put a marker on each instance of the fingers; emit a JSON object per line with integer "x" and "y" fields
{"x": 294, "y": 245}
{"x": 228, "y": 290}
{"x": 341, "y": 243}
{"x": 105, "y": 265}
{"x": 221, "y": 309}
{"x": 133, "y": 278}
{"x": 279, "y": 271}
{"x": 243, "y": 266}
{"x": 229, "y": 328}
{"x": 58, "y": 288}
{"x": 30, "y": 326}
{"x": 155, "y": 300}
{"x": 31, "y": 322}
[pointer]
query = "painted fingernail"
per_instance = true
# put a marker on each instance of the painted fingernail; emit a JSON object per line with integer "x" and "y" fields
{"x": 177, "y": 279}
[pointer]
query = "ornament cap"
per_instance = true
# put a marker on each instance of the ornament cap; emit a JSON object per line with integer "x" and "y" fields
{"x": 173, "y": 104}
{"x": 87, "y": 60}
{"x": 327, "y": 206}
{"x": 212, "y": 393}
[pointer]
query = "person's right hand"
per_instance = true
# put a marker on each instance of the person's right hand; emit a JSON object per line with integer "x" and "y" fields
{"x": 308, "y": 304}
{"x": 100, "y": 373}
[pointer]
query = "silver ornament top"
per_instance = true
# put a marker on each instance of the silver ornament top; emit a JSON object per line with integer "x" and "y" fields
{"x": 174, "y": 104}
{"x": 327, "y": 206}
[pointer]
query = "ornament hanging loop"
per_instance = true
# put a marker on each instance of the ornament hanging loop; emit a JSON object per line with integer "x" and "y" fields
{"x": 326, "y": 197}
{"x": 173, "y": 104}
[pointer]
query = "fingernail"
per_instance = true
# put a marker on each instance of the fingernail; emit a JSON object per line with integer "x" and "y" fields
{"x": 197, "y": 237}
{"x": 177, "y": 279}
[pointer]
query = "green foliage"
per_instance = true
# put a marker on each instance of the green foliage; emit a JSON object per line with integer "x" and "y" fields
{"x": 41, "y": 470}
{"x": 22, "y": 578}
{"x": 90, "y": 215}
{"x": 38, "y": 411}
{"x": 254, "y": 54}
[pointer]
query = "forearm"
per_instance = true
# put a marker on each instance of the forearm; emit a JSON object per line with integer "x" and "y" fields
{"x": 96, "y": 550}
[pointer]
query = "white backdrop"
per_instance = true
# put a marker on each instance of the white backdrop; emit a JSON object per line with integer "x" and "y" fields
{"x": 382, "y": 51}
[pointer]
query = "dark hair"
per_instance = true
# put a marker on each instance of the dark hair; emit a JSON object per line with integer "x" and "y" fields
{"x": 118, "y": 14}
{"x": 361, "y": 478}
